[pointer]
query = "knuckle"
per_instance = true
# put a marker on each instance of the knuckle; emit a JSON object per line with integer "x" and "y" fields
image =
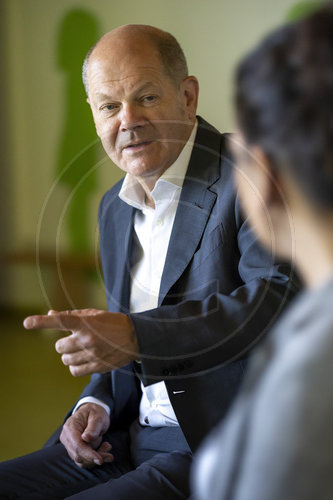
{"x": 77, "y": 457}
{"x": 62, "y": 318}
{"x": 99, "y": 367}
{"x": 70, "y": 422}
{"x": 88, "y": 311}
{"x": 65, "y": 429}
{"x": 95, "y": 351}
{"x": 89, "y": 341}
{"x": 63, "y": 439}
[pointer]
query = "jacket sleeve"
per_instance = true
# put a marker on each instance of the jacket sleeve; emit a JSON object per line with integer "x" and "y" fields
{"x": 197, "y": 335}
{"x": 100, "y": 387}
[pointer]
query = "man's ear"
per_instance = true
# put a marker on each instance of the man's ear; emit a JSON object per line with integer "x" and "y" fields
{"x": 267, "y": 178}
{"x": 190, "y": 90}
{"x": 88, "y": 101}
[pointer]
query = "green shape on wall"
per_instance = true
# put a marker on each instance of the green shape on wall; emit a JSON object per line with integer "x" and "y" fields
{"x": 78, "y": 148}
{"x": 302, "y": 9}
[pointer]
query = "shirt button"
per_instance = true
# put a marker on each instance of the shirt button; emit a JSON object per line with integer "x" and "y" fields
{"x": 146, "y": 420}
{"x": 159, "y": 222}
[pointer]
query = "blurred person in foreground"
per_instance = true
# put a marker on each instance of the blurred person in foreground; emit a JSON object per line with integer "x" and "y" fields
{"x": 189, "y": 289}
{"x": 277, "y": 441}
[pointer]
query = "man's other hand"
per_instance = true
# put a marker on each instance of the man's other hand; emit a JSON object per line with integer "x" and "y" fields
{"x": 82, "y": 436}
{"x": 99, "y": 340}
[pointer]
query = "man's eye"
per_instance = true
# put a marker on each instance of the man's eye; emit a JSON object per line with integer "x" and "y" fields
{"x": 149, "y": 98}
{"x": 109, "y": 107}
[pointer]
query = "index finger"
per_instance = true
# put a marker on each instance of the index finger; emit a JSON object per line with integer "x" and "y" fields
{"x": 59, "y": 321}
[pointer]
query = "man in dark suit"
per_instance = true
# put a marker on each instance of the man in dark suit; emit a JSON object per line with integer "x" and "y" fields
{"x": 189, "y": 291}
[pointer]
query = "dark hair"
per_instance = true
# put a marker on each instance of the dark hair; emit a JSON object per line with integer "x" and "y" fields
{"x": 169, "y": 50}
{"x": 284, "y": 102}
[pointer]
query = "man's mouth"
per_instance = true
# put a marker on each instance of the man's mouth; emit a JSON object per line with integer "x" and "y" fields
{"x": 136, "y": 146}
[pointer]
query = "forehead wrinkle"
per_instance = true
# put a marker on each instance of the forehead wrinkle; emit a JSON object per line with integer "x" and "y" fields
{"x": 117, "y": 66}
{"x": 98, "y": 68}
{"x": 137, "y": 87}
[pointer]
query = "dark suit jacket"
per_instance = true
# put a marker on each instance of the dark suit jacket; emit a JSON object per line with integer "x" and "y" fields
{"x": 219, "y": 294}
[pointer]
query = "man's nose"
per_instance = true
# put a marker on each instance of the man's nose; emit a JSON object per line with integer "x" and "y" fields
{"x": 131, "y": 117}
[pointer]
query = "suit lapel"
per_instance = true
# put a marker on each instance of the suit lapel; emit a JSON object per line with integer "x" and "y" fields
{"x": 195, "y": 205}
{"x": 125, "y": 270}
{"x": 120, "y": 245}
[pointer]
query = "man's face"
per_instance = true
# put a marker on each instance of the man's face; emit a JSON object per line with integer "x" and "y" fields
{"x": 268, "y": 196}
{"x": 252, "y": 183}
{"x": 141, "y": 116}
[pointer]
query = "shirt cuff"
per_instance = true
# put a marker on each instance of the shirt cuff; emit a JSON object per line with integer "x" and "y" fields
{"x": 91, "y": 399}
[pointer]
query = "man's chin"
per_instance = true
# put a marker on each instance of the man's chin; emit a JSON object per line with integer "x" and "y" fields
{"x": 143, "y": 170}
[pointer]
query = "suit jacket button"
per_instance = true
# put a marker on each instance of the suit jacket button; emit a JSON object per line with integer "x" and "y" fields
{"x": 147, "y": 420}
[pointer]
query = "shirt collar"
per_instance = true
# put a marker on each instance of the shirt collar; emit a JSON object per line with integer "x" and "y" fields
{"x": 172, "y": 179}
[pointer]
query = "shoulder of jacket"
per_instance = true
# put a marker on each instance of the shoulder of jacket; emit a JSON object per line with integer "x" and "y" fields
{"x": 109, "y": 197}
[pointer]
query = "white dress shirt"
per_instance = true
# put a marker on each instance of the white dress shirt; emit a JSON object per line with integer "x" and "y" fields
{"x": 152, "y": 231}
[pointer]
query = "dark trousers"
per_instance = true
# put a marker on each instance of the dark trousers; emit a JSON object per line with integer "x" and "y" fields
{"x": 151, "y": 463}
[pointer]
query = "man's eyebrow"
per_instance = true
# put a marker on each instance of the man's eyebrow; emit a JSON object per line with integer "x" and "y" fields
{"x": 141, "y": 88}
{"x": 101, "y": 95}
{"x": 145, "y": 86}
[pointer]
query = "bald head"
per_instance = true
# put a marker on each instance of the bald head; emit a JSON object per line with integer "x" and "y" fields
{"x": 134, "y": 36}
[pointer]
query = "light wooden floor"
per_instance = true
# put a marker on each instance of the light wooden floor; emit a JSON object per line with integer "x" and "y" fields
{"x": 36, "y": 390}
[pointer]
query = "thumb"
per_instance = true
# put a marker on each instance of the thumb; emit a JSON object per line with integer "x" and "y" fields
{"x": 93, "y": 431}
